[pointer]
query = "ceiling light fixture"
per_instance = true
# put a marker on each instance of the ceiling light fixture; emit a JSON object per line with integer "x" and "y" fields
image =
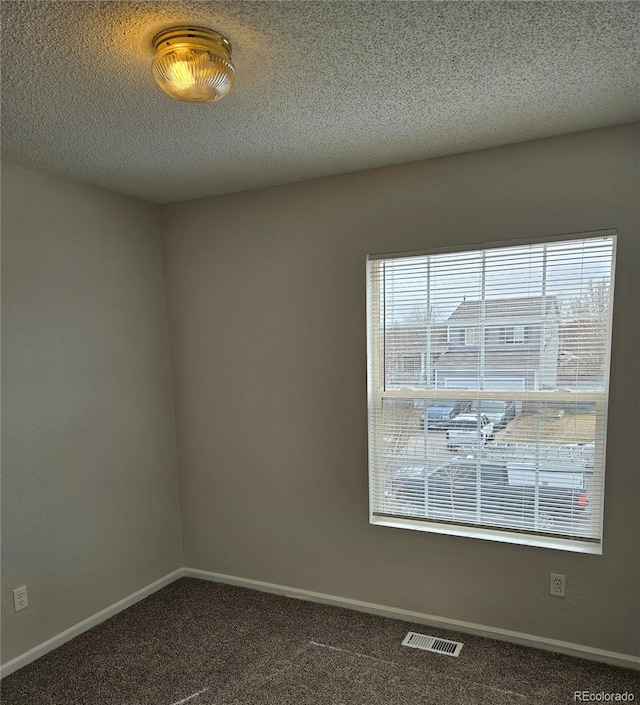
{"x": 193, "y": 64}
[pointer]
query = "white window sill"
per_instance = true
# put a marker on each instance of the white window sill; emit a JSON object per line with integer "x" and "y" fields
{"x": 523, "y": 539}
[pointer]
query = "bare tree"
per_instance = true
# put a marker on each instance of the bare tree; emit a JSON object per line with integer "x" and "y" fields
{"x": 424, "y": 314}
{"x": 402, "y": 421}
{"x": 583, "y": 332}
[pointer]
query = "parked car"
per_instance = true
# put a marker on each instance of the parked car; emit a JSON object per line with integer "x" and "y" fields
{"x": 469, "y": 430}
{"x": 507, "y": 494}
{"x": 439, "y": 412}
{"x": 500, "y": 412}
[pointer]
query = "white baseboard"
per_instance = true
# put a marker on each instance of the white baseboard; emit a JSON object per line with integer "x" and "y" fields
{"x": 536, "y": 642}
{"x": 87, "y": 624}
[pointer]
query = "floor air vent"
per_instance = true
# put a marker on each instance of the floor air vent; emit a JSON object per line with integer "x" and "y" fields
{"x": 432, "y": 643}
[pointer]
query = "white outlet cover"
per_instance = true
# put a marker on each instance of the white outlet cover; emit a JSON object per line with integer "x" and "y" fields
{"x": 20, "y": 600}
{"x": 557, "y": 584}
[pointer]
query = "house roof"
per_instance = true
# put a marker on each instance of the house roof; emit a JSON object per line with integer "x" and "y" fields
{"x": 322, "y": 87}
{"x": 524, "y": 306}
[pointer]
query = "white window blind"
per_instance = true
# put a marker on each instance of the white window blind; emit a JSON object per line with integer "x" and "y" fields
{"x": 474, "y": 435}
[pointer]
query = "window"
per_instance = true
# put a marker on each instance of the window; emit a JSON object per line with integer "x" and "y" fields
{"x": 472, "y": 336}
{"x": 492, "y": 440}
{"x": 514, "y": 334}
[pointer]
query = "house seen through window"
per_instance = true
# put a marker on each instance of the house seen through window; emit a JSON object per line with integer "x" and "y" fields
{"x": 488, "y": 390}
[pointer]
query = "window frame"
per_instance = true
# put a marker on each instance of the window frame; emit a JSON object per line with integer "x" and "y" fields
{"x": 376, "y": 393}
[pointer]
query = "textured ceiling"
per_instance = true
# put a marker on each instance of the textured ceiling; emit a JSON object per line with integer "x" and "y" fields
{"x": 322, "y": 87}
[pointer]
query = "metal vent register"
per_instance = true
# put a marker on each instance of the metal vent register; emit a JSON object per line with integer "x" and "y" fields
{"x": 432, "y": 643}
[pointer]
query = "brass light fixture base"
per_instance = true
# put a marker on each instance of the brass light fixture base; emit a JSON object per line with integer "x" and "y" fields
{"x": 190, "y": 36}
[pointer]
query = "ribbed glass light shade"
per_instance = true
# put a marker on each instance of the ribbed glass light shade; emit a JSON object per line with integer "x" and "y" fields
{"x": 193, "y": 64}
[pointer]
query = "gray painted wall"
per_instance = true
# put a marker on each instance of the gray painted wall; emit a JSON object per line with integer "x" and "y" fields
{"x": 90, "y": 510}
{"x": 266, "y": 307}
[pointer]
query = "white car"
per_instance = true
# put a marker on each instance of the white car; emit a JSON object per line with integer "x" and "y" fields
{"x": 469, "y": 430}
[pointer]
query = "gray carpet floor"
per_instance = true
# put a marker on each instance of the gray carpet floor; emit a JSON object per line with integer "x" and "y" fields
{"x": 202, "y": 643}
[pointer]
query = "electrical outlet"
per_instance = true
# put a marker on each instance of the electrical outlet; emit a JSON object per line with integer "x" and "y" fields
{"x": 20, "y": 600}
{"x": 557, "y": 584}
